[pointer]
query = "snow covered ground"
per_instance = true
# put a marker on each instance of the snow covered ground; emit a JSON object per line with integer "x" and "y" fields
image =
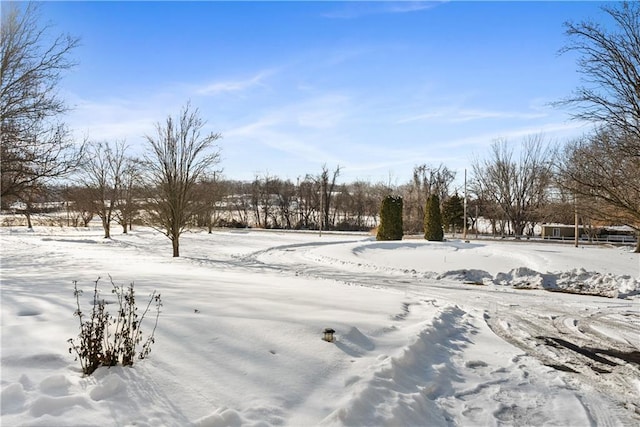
{"x": 428, "y": 334}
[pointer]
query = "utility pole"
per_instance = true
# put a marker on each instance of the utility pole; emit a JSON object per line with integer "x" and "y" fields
{"x": 464, "y": 229}
{"x": 66, "y": 192}
{"x": 575, "y": 219}
{"x": 298, "y": 214}
{"x": 322, "y": 185}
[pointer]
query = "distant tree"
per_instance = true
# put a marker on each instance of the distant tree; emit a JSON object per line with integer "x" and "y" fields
{"x": 433, "y": 220}
{"x": 242, "y": 203}
{"x": 473, "y": 214}
{"x": 308, "y": 203}
{"x": 81, "y": 204}
{"x": 453, "y": 212}
{"x": 29, "y": 199}
{"x": 327, "y": 184}
{"x": 102, "y": 174}
{"x": 426, "y": 180}
{"x": 211, "y": 192}
{"x": 344, "y": 205}
{"x": 257, "y": 190}
{"x": 35, "y": 147}
{"x": 518, "y": 186}
{"x": 264, "y": 191}
{"x": 178, "y": 157}
{"x": 390, "y": 227}
{"x": 603, "y": 178}
{"x": 285, "y": 192}
{"x": 358, "y": 205}
{"x": 128, "y": 204}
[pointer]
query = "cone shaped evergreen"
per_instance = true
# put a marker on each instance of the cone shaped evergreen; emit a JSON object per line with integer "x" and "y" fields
{"x": 433, "y": 220}
{"x": 390, "y": 219}
{"x": 453, "y": 213}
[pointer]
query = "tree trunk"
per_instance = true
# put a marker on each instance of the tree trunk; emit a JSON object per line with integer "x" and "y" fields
{"x": 638, "y": 243}
{"x": 28, "y": 215}
{"x": 518, "y": 230}
{"x": 107, "y": 229}
{"x": 176, "y": 248}
{"x": 124, "y": 227}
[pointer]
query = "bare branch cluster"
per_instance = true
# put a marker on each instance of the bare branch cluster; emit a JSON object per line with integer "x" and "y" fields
{"x": 519, "y": 187}
{"x": 596, "y": 170}
{"x": 609, "y": 62}
{"x": 35, "y": 146}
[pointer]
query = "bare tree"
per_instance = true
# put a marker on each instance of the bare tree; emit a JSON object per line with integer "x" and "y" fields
{"x": 358, "y": 205}
{"x": 602, "y": 170}
{"x": 285, "y": 192}
{"x": 609, "y": 60}
{"x": 519, "y": 186}
{"x": 127, "y": 204}
{"x": 210, "y": 194}
{"x": 29, "y": 198}
{"x": 603, "y": 178}
{"x": 308, "y": 202}
{"x": 82, "y": 206}
{"x": 103, "y": 171}
{"x": 34, "y": 146}
{"x": 327, "y": 186}
{"x": 178, "y": 156}
{"x": 264, "y": 194}
{"x": 240, "y": 202}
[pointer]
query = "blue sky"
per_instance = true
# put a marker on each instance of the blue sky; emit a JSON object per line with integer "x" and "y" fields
{"x": 374, "y": 87}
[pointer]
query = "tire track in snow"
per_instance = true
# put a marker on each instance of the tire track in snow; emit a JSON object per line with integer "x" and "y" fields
{"x": 565, "y": 342}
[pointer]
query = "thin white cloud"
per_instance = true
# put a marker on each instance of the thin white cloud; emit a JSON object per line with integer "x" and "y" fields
{"x": 451, "y": 115}
{"x": 314, "y": 113}
{"x": 306, "y": 130}
{"x": 323, "y": 112}
{"x": 412, "y": 6}
{"x": 272, "y": 133}
{"x": 456, "y": 153}
{"x": 356, "y": 9}
{"x": 552, "y": 131}
{"x": 240, "y": 85}
{"x": 114, "y": 118}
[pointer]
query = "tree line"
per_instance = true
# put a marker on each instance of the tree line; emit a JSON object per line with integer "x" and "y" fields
{"x": 177, "y": 183}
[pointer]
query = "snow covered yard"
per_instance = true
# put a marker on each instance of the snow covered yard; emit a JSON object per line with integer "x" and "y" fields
{"x": 427, "y": 333}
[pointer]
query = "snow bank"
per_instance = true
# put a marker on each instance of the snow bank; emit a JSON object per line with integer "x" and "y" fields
{"x": 576, "y": 281}
{"x": 520, "y": 265}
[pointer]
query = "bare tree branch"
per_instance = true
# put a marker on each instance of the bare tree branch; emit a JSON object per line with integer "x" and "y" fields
{"x": 609, "y": 62}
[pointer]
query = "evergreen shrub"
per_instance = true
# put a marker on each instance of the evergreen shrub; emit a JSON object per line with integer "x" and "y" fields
{"x": 433, "y": 220}
{"x": 390, "y": 219}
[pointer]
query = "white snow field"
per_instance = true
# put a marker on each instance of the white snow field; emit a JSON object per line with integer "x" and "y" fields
{"x": 427, "y": 334}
